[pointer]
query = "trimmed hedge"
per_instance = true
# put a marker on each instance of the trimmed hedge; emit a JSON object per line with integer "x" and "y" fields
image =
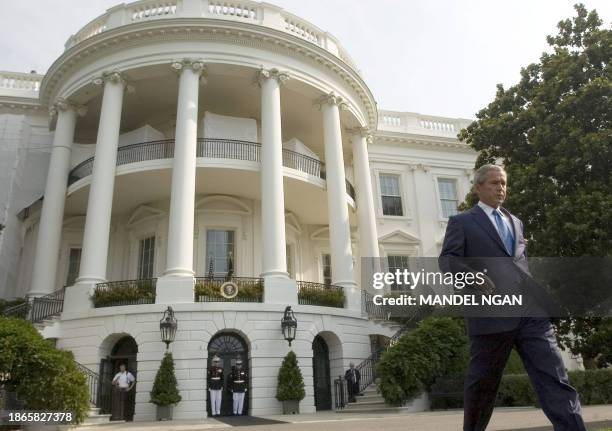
{"x": 122, "y": 295}
{"x": 324, "y": 297}
{"x": 438, "y": 346}
{"x": 246, "y": 290}
{"x": 515, "y": 390}
{"x": 44, "y": 377}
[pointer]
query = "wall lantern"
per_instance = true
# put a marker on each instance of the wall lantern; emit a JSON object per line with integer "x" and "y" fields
{"x": 289, "y": 325}
{"x": 167, "y": 327}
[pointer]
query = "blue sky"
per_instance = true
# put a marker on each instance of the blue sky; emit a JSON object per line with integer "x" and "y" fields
{"x": 433, "y": 57}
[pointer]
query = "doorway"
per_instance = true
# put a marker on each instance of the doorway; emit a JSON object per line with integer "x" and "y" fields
{"x": 229, "y": 347}
{"x": 123, "y": 352}
{"x": 321, "y": 375}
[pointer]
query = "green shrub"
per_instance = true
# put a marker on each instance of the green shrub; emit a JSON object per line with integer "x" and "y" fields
{"x": 290, "y": 381}
{"x": 438, "y": 346}
{"x": 515, "y": 390}
{"x": 325, "y": 297}
{"x": 43, "y": 377}
{"x": 165, "y": 388}
{"x": 145, "y": 289}
{"x": 4, "y": 304}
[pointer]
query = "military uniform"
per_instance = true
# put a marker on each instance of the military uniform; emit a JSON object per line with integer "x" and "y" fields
{"x": 215, "y": 387}
{"x": 238, "y": 385}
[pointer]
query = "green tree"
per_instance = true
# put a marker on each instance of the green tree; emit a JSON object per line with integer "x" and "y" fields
{"x": 44, "y": 377}
{"x": 290, "y": 381}
{"x": 553, "y": 133}
{"x": 165, "y": 388}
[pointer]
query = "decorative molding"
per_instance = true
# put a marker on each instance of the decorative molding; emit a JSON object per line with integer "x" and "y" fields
{"x": 331, "y": 98}
{"x": 195, "y": 64}
{"x": 114, "y": 76}
{"x": 143, "y": 214}
{"x": 65, "y": 105}
{"x": 232, "y": 205}
{"x": 364, "y": 132}
{"x": 399, "y": 236}
{"x": 292, "y": 222}
{"x": 263, "y": 74}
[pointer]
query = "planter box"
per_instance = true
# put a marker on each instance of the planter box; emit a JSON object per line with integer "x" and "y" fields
{"x": 291, "y": 407}
{"x": 164, "y": 413}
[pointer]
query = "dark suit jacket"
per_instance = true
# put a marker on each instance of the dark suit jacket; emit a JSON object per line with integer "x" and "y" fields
{"x": 471, "y": 237}
{"x": 348, "y": 376}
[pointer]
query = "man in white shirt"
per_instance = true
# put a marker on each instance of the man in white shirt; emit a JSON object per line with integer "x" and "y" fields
{"x": 123, "y": 381}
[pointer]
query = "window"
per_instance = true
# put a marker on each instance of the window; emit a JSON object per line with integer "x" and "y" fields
{"x": 390, "y": 194}
{"x": 146, "y": 258}
{"x": 448, "y": 196}
{"x": 219, "y": 251}
{"x": 394, "y": 263}
{"x": 289, "y": 261}
{"x": 327, "y": 269}
{"x": 74, "y": 264}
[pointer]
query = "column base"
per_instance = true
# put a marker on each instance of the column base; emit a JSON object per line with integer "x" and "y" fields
{"x": 173, "y": 290}
{"x": 77, "y": 298}
{"x": 352, "y": 294}
{"x": 275, "y": 274}
{"x": 280, "y": 291}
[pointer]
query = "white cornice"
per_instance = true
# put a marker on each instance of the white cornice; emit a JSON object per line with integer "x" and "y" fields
{"x": 396, "y": 138}
{"x": 21, "y": 105}
{"x": 247, "y": 34}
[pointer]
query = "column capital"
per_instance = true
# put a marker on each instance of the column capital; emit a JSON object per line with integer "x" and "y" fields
{"x": 331, "y": 98}
{"x": 114, "y": 76}
{"x": 195, "y": 64}
{"x": 262, "y": 74}
{"x": 364, "y": 132}
{"x": 62, "y": 104}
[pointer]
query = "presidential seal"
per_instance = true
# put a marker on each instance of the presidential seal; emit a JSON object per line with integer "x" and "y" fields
{"x": 229, "y": 289}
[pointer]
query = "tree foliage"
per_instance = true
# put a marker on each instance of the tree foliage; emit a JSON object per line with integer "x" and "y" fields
{"x": 165, "y": 388}
{"x": 553, "y": 133}
{"x": 44, "y": 377}
{"x": 290, "y": 381}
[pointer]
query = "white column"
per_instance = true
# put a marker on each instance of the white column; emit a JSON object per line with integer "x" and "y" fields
{"x": 366, "y": 216}
{"x": 94, "y": 255}
{"x": 177, "y": 283}
{"x": 44, "y": 271}
{"x": 274, "y": 261}
{"x": 277, "y": 286}
{"x": 337, "y": 208}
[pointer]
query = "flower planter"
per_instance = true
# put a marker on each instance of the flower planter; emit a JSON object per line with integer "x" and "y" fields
{"x": 291, "y": 407}
{"x": 164, "y": 413}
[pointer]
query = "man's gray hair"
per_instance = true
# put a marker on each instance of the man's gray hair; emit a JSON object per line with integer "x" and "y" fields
{"x": 481, "y": 173}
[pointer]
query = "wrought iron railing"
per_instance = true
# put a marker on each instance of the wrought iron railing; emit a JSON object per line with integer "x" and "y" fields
{"x": 126, "y": 292}
{"x": 208, "y": 289}
{"x": 208, "y": 148}
{"x": 340, "y": 393}
{"x": 327, "y": 295}
{"x": 374, "y": 311}
{"x": 99, "y": 389}
{"x": 37, "y": 309}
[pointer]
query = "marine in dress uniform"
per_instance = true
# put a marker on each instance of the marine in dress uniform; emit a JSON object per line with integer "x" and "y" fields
{"x": 215, "y": 386}
{"x": 238, "y": 386}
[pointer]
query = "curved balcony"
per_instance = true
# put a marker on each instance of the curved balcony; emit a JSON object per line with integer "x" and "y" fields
{"x": 207, "y": 148}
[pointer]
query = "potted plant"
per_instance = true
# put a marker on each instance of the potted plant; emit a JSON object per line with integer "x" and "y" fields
{"x": 290, "y": 388}
{"x": 165, "y": 389}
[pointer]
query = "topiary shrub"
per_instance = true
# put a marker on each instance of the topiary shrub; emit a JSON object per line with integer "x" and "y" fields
{"x": 44, "y": 377}
{"x": 165, "y": 388}
{"x": 290, "y": 381}
{"x": 438, "y": 346}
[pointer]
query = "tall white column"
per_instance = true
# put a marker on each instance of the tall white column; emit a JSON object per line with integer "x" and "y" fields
{"x": 177, "y": 283}
{"x": 366, "y": 216}
{"x": 274, "y": 260}
{"x": 339, "y": 227}
{"x": 44, "y": 270}
{"x": 94, "y": 254}
{"x": 278, "y": 288}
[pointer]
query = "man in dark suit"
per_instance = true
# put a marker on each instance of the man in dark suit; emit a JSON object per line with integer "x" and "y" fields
{"x": 472, "y": 239}
{"x": 353, "y": 377}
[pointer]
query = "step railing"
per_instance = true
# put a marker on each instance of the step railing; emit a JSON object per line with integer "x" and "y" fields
{"x": 99, "y": 389}
{"x": 37, "y": 309}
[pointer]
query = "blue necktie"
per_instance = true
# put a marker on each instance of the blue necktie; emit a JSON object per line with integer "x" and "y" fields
{"x": 504, "y": 232}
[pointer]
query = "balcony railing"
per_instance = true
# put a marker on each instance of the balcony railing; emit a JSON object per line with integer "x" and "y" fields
{"x": 127, "y": 292}
{"x": 39, "y": 308}
{"x": 326, "y": 295}
{"x": 208, "y": 289}
{"x": 211, "y": 148}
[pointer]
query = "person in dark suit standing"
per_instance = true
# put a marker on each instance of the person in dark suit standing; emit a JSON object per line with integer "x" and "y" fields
{"x": 352, "y": 377}
{"x": 489, "y": 231}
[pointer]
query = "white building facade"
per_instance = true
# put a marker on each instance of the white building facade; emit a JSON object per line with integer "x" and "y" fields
{"x": 182, "y": 143}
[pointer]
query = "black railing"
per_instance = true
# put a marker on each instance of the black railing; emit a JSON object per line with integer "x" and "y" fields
{"x": 340, "y": 393}
{"x": 37, "y": 309}
{"x": 208, "y": 289}
{"x": 373, "y": 310}
{"x": 126, "y": 292}
{"x": 99, "y": 389}
{"x": 208, "y": 148}
{"x": 327, "y": 295}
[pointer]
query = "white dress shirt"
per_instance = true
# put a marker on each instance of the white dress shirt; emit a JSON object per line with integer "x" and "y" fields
{"x": 489, "y": 210}
{"x": 123, "y": 379}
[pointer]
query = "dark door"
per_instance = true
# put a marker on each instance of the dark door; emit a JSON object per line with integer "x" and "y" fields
{"x": 320, "y": 371}
{"x": 124, "y": 352}
{"x": 105, "y": 387}
{"x": 228, "y": 347}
